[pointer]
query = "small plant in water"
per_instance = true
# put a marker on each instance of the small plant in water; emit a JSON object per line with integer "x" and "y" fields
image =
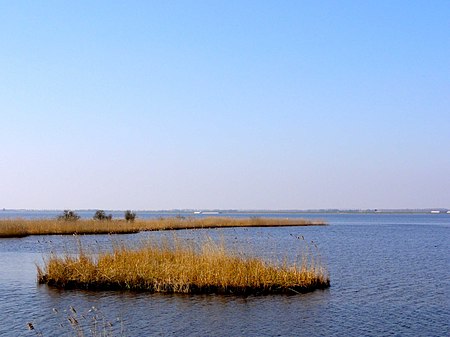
{"x": 101, "y": 215}
{"x": 89, "y": 323}
{"x": 68, "y": 215}
{"x": 130, "y": 216}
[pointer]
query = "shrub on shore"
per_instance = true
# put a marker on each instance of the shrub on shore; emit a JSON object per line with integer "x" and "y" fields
{"x": 69, "y": 215}
{"x": 130, "y": 216}
{"x": 101, "y": 215}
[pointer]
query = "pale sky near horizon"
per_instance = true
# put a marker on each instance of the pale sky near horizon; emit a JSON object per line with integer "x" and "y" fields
{"x": 224, "y": 104}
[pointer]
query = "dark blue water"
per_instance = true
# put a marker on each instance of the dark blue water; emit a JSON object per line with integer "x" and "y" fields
{"x": 390, "y": 275}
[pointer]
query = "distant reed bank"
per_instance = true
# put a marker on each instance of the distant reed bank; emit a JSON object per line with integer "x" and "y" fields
{"x": 22, "y": 227}
{"x": 181, "y": 267}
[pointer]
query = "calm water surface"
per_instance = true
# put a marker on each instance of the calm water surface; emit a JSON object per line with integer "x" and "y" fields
{"x": 390, "y": 275}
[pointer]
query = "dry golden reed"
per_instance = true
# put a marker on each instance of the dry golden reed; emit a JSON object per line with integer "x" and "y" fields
{"x": 22, "y": 227}
{"x": 180, "y": 267}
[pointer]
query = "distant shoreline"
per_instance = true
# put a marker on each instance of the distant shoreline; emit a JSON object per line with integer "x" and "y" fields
{"x": 253, "y": 211}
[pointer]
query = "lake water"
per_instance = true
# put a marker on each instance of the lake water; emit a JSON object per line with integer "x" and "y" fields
{"x": 390, "y": 275}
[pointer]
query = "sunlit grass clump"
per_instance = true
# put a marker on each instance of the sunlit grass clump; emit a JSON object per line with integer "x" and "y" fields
{"x": 181, "y": 268}
{"x": 22, "y": 227}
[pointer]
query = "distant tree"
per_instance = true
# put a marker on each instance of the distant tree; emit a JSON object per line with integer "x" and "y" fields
{"x": 130, "y": 216}
{"x": 101, "y": 215}
{"x": 68, "y": 215}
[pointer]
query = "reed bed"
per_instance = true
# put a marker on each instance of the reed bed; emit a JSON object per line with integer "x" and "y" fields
{"x": 181, "y": 267}
{"x": 22, "y": 227}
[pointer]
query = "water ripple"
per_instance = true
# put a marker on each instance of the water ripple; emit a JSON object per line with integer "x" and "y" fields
{"x": 387, "y": 278}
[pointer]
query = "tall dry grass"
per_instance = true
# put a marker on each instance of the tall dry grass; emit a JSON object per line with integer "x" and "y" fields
{"x": 181, "y": 267}
{"x": 22, "y": 227}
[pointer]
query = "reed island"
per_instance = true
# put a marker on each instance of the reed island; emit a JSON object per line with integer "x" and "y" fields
{"x": 182, "y": 268}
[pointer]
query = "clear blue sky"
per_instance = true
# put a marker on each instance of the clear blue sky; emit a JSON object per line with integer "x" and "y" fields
{"x": 224, "y": 104}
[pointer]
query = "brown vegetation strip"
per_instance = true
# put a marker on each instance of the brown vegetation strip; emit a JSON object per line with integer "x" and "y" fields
{"x": 21, "y": 227}
{"x": 181, "y": 268}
